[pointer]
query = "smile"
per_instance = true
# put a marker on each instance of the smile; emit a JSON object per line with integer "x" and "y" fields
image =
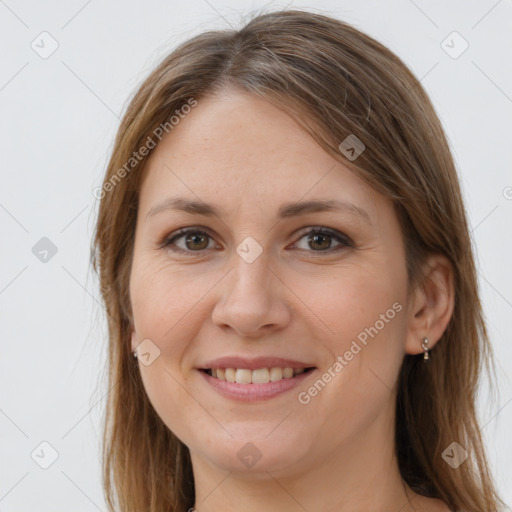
{"x": 246, "y": 385}
{"x": 257, "y": 376}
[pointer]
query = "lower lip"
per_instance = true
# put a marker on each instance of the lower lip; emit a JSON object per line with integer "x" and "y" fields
{"x": 252, "y": 392}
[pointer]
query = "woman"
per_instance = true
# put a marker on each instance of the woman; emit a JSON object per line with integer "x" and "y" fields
{"x": 283, "y": 247}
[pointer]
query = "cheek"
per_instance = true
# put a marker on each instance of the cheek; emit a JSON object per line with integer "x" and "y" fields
{"x": 180, "y": 411}
{"x": 166, "y": 301}
{"x": 165, "y": 308}
{"x": 168, "y": 309}
{"x": 353, "y": 301}
{"x": 366, "y": 314}
{"x": 360, "y": 318}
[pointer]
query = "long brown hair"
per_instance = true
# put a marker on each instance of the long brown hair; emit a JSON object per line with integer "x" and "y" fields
{"x": 335, "y": 81}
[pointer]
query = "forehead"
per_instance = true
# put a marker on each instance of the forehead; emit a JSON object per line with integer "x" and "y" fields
{"x": 241, "y": 151}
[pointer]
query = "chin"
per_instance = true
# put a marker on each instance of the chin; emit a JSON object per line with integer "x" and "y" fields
{"x": 257, "y": 454}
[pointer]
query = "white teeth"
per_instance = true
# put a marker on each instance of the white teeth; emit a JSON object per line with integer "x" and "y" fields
{"x": 259, "y": 376}
{"x": 276, "y": 374}
{"x": 243, "y": 376}
{"x": 287, "y": 373}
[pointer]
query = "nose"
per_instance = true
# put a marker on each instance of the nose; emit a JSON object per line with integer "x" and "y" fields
{"x": 251, "y": 300}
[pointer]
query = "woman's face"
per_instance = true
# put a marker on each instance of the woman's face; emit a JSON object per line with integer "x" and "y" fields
{"x": 255, "y": 280}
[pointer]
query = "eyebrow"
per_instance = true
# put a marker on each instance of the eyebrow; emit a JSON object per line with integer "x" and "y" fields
{"x": 287, "y": 210}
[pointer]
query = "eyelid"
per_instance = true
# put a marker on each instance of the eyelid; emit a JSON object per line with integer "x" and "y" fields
{"x": 180, "y": 233}
{"x": 334, "y": 233}
{"x": 339, "y": 236}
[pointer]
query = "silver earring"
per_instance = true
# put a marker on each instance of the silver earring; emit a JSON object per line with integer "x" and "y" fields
{"x": 424, "y": 344}
{"x": 134, "y": 354}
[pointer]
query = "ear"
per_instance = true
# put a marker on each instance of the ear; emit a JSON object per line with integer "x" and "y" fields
{"x": 430, "y": 304}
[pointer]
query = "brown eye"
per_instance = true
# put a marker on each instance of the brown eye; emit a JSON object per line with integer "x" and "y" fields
{"x": 188, "y": 241}
{"x": 319, "y": 241}
{"x": 196, "y": 241}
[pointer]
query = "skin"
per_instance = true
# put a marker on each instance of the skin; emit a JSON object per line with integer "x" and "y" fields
{"x": 335, "y": 453}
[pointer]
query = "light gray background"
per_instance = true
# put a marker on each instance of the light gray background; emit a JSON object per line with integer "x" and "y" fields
{"x": 58, "y": 117}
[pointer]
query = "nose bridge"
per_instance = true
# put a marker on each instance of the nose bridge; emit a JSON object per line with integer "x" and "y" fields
{"x": 251, "y": 275}
{"x": 250, "y": 297}
{"x": 251, "y": 282}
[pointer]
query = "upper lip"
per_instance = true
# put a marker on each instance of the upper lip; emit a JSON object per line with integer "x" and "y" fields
{"x": 254, "y": 363}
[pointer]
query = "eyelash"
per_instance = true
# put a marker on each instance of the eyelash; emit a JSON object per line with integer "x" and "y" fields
{"x": 339, "y": 237}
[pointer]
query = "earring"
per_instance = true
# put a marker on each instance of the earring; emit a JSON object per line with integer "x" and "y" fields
{"x": 134, "y": 354}
{"x": 424, "y": 344}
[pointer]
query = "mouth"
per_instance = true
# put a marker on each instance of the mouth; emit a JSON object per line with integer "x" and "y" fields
{"x": 252, "y": 379}
{"x": 257, "y": 383}
{"x": 255, "y": 376}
